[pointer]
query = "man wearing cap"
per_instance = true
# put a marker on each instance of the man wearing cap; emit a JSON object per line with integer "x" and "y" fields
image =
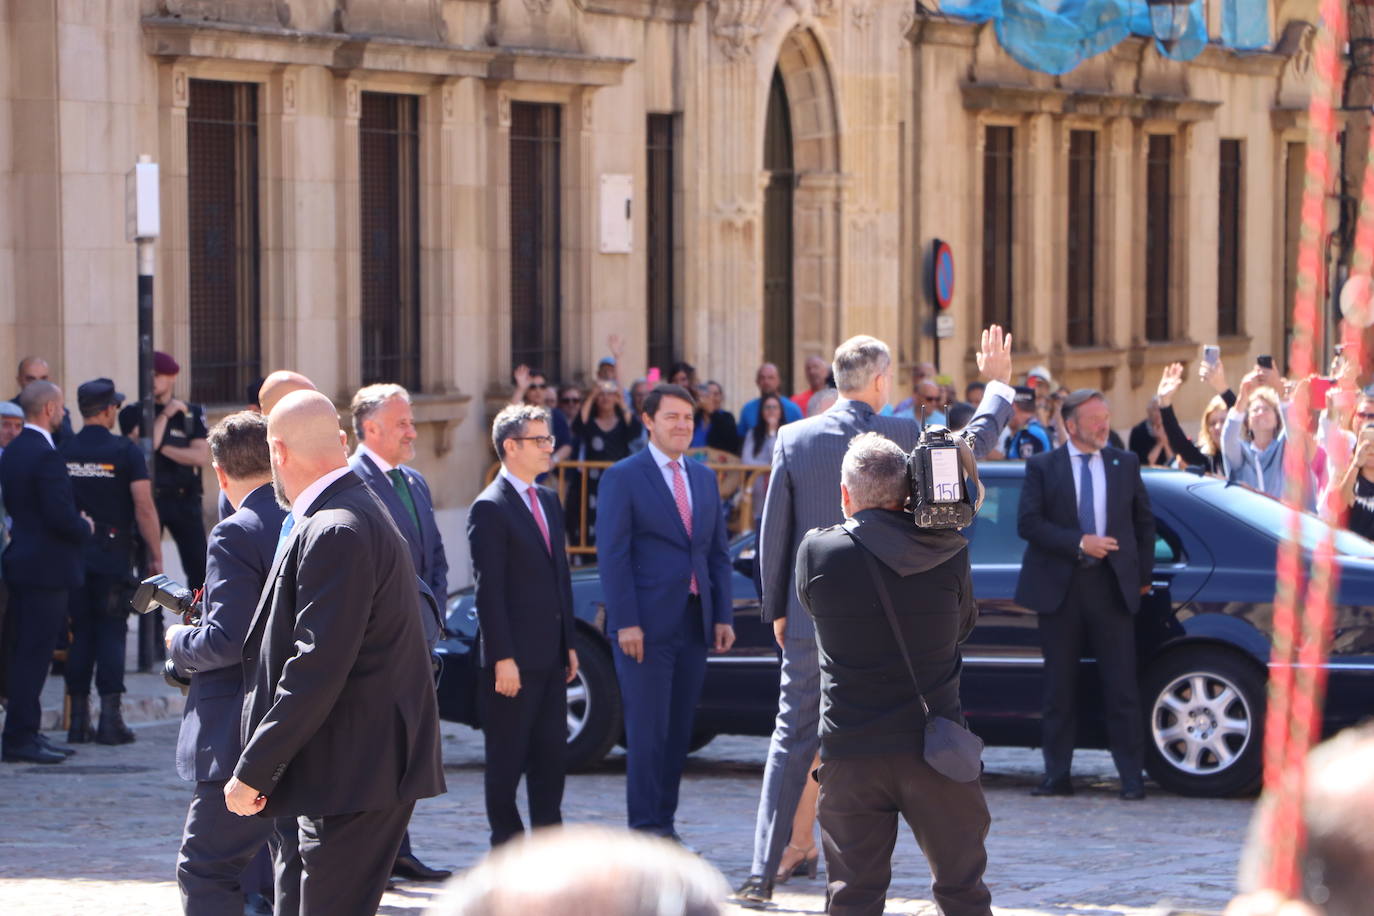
{"x": 110, "y": 482}
{"x": 1028, "y": 433}
{"x": 35, "y": 369}
{"x": 180, "y": 450}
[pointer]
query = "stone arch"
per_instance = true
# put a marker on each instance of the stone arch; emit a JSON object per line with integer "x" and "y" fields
{"x": 803, "y": 65}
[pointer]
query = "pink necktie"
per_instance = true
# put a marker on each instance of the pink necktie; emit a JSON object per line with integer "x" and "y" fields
{"x": 539, "y": 519}
{"x": 683, "y": 509}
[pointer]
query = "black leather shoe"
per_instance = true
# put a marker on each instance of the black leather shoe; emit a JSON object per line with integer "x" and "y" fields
{"x": 33, "y": 752}
{"x": 415, "y": 870}
{"x": 54, "y": 746}
{"x": 755, "y": 892}
{"x": 1133, "y": 791}
{"x": 1060, "y": 786}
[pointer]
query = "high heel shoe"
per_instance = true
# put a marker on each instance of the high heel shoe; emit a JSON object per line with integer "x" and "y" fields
{"x": 808, "y": 864}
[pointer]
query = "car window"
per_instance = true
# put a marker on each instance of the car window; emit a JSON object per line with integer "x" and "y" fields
{"x": 992, "y": 536}
{"x": 1263, "y": 513}
{"x": 1168, "y": 547}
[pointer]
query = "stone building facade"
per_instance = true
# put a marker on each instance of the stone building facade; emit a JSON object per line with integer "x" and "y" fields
{"x": 433, "y": 191}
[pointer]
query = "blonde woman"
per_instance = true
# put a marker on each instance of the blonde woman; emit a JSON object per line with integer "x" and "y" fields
{"x": 1205, "y": 452}
{"x": 1255, "y": 437}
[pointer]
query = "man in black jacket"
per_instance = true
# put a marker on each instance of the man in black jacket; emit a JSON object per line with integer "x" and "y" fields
{"x": 525, "y": 611}
{"x": 871, "y": 730}
{"x": 1090, "y": 540}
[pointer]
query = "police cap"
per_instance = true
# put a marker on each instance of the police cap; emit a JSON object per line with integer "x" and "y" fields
{"x": 96, "y": 395}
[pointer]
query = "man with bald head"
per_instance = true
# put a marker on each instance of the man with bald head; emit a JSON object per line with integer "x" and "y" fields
{"x": 273, "y": 388}
{"x": 41, "y": 565}
{"x": 35, "y": 369}
{"x": 769, "y": 382}
{"x": 340, "y": 721}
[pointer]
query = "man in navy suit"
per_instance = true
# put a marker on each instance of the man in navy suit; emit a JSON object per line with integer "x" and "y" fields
{"x": 385, "y": 427}
{"x": 665, "y": 571}
{"x": 525, "y": 612}
{"x": 42, "y": 563}
{"x": 1090, "y": 541}
{"x": 217, "y": 846}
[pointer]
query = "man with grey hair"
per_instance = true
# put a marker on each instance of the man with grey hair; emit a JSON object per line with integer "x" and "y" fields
{"x": 801, "y": 496}
{"x": 525, "y": 615}
{"x": 871, "y": 717}
{"x": 384, "y": 423}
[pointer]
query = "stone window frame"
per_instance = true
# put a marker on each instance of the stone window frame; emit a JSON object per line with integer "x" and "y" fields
{"x": 1021, "y": 221}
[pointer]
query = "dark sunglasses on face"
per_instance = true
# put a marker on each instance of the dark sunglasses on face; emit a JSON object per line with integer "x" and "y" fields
{"x": 570, "y": 400}
{"x": 538, "y": 385}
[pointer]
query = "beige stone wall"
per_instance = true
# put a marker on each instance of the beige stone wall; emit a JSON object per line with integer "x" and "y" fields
{"x": 887, "y": 111}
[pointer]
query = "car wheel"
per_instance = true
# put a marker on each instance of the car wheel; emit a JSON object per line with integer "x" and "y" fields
{"x": 1205, "y": 728}
{"x": 594, "y": 711}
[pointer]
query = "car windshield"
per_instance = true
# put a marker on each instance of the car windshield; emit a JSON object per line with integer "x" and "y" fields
{"x": 1271, "y": 516}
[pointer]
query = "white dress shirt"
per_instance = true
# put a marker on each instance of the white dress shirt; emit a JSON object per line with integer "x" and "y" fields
{"x": 303, "y": 503}
{"x": 522, "y": 489}
{"x": 42, "y": 432}
{"x": 1098, "y": 470}
{"x": 385, "y": 466}
{"x": 663, "y": 461}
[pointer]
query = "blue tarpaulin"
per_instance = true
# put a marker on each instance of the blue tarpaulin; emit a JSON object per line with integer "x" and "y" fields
{"x": 1055, "y": 37}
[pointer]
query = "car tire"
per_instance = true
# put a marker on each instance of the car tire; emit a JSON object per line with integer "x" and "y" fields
{"x": 1204, "y": 722}
{"x": 595, "y": 717}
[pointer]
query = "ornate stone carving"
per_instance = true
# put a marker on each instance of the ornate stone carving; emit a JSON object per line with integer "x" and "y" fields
{"x": 737, "y": 25}
{"x": 421, "y": 20}
{"x": 539, "y": 7}
{"x": 353, "y": 99}
{"x": 739, "y": 212}
{"x": 503, "y": 110}
{"x": 860, "y": 13}
{"x": 244, "y": 12}
{"x": 181, "y": 88}
{"x": 288, "y": 94}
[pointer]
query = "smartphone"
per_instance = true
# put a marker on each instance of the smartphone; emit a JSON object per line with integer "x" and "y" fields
{"x": 1265, "y": 361}
{"x": 1211, "y": 354}
{"x": 654, "y": 375}
{"x": 1320, "y": 387}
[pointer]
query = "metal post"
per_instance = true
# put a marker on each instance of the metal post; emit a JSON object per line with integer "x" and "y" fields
{"x": 145, "y": 352}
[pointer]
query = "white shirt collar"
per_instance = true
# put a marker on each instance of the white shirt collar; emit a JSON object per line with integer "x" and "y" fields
{"x": 663, "y": 460}
{"x": 386, "y": 466}
{"x": 1075, "y": 451}
{"x": 42, "y": 432}
{"x": 520, "y": 485}
{"x": 302, "y": 504}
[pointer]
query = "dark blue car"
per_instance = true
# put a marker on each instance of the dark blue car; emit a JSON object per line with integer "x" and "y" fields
{"x": 1203, "y": 636}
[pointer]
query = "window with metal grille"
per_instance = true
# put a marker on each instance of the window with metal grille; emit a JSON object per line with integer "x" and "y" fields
{"x": 389, "y": 184}
{"x": 779, "y": 321}
{"x": 1159, "y": 173}
{"x": 998, "y": 161}
{"x": 536, "y": 238}
{"x": 1082, "y": 236}
{"x": 1294, "y": 178}
{"x": 222, "y": 213}
{"x": 1228, "y": 238}
{"x": 663, "y": 234}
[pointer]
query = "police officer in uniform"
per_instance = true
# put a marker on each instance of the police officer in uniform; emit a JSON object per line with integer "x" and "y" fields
{"x": 110, "y": 482}
{"x": 1031, "y": 437}
{"x": 180, "y": 451}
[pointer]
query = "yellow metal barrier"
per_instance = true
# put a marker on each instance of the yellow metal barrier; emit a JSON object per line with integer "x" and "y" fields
{"x": 736, "y": 482}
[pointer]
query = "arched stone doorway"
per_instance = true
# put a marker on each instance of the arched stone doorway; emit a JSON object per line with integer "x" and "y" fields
{"x": 802, "y": 207}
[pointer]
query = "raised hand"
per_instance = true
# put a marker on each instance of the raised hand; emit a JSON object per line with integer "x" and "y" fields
{"x": 616, "y": 344}
{"x": 522, "y": 376}
{"x": 994, "y": 355}
{"x": 1169, "y": 383}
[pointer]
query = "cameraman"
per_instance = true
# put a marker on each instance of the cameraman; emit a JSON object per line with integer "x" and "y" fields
{"x": 871, "y": 730}
{"x": 217, "y": 846}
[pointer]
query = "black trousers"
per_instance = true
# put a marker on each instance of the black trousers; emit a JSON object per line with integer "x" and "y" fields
{"x": 97, "y": 638}
{"x": 1093, "y": 615}
{"x": 346, "y": 860}
{"x": 217, "y": 848}
{"x": 38, "y": 615}
{"x": 860, "y": 800}
{"x": 525, "y": 734}
{"x": 182, "y": 518}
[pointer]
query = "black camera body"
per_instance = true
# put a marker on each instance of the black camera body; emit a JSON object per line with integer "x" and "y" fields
{"x": 940, "y": 497}
{"x": 160, "y": 591}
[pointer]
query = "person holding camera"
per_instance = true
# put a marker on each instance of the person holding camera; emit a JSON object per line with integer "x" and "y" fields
{"x": 1356, "y": 485}
{"x": 878, "y": 695}
{"x": 216, "y": 846}
{"x": 801, "y": 496}
{"x": 110, "y": 482}
{"x": 1090, "y": 539}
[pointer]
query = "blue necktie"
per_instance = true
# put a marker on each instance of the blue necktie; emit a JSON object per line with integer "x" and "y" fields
{"x": 286, "y": 525}
{"x": 1087, "y": 516}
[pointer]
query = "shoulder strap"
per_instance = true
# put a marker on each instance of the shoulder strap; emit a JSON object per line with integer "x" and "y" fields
{"x": 886, "y": 600}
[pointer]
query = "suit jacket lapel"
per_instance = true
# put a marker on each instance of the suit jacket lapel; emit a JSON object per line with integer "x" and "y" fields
{"x": 522, "y": 509}
{"x": 660, "y": 486}
{"x": 383, "y": 487}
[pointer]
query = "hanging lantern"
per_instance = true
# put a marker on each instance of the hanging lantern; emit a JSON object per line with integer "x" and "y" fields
{"x": 1168, "y": 20}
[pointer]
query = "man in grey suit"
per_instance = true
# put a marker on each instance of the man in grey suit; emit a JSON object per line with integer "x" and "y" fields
{"x": 801, "y": 496}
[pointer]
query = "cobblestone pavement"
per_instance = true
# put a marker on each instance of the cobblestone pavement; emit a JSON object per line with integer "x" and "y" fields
{"x": 99, "y": 833}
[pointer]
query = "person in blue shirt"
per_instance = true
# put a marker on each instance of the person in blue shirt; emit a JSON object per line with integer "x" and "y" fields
{"x": 1030, "y": 437}
{"x": 769, "y": 382}
{"x": 925, "y": 404}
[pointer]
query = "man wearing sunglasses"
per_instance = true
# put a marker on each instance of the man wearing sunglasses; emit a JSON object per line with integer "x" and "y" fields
{"x": 530, "y": 388}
